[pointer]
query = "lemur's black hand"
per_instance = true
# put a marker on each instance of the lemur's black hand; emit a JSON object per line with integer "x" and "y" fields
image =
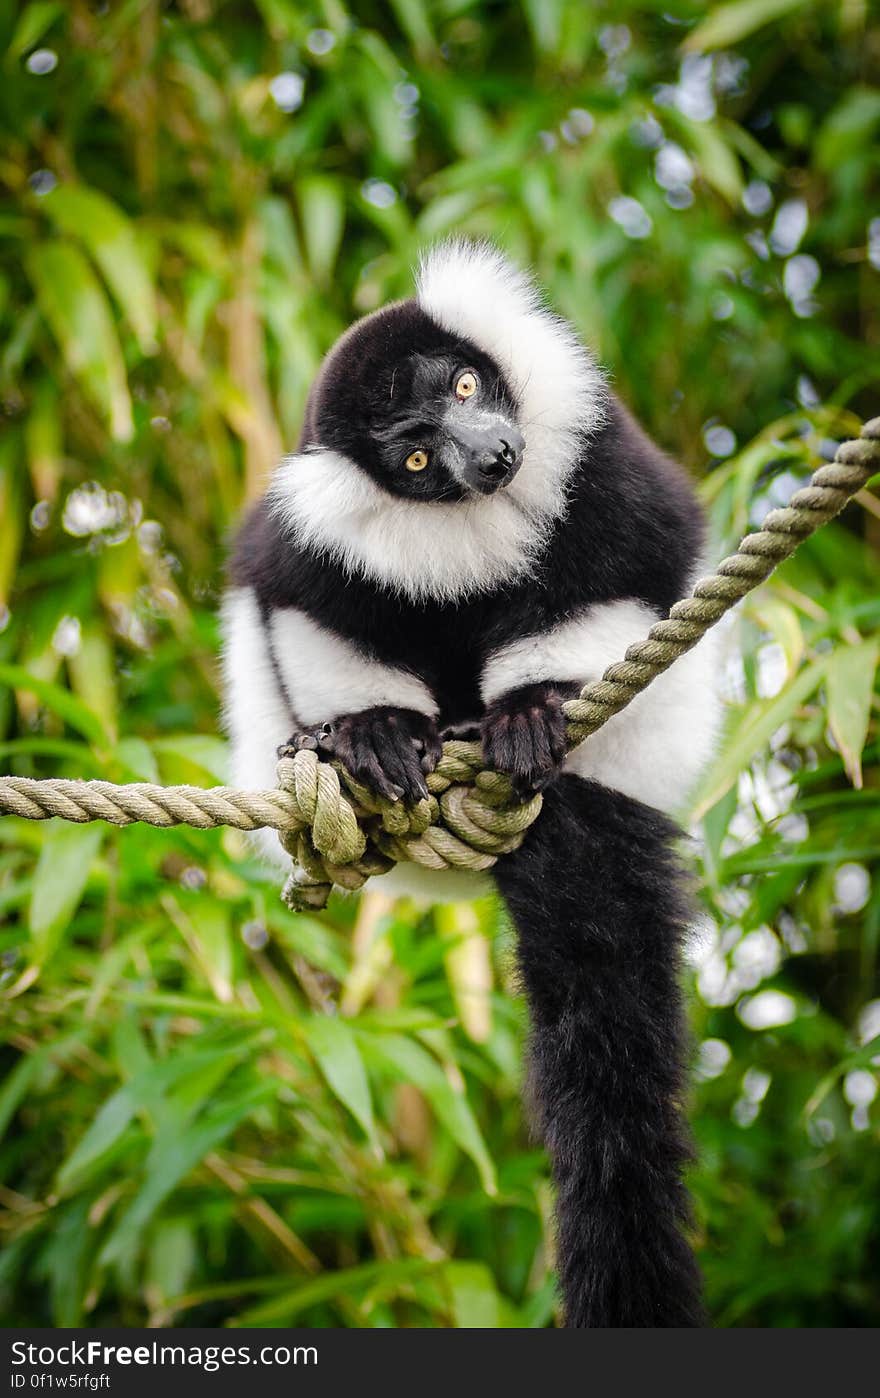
{"x": 389, "y": 750}
{"x": 523, "y": 734}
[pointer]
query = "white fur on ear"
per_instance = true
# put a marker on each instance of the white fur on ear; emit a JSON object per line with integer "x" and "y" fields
{"x": 471, "y": 289}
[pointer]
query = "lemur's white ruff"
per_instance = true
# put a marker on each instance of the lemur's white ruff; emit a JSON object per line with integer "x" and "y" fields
{"x": 454, "y": 550}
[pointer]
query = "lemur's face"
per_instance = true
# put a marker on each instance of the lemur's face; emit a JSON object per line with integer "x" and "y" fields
{"x": 429, "y": 416}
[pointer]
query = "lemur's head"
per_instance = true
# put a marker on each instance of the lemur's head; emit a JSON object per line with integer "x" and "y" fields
{"x": 428, "y": 414}
{"x": 442, "y": 431}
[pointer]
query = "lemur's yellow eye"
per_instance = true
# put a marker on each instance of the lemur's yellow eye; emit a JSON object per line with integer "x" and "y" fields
{"x": 417, "y": 461}
{"x": 466, "y": 385}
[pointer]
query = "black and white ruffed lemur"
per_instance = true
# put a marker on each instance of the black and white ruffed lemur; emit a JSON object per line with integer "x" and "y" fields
{"x": 471, "y": 528}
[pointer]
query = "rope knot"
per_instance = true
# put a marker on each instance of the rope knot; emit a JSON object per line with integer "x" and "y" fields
{"x": 322, "y": 807}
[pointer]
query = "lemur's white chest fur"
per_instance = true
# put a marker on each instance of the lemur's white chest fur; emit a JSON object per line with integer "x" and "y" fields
{"x": 652, "y": 751}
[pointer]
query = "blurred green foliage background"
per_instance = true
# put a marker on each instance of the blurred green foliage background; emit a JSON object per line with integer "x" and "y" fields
{"x": 213, "y": 1112}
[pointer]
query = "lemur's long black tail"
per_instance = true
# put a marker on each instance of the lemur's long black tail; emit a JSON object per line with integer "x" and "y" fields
{"x": 600, "y": 907}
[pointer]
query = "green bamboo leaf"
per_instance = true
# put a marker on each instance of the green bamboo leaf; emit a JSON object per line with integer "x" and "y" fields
{"x": 349, "y": 1282}
{"x": 414, "y": 19}
{"x": 75, "y": 307}
{"x": 23, "y": 1077}
{"x": 136, "y": 759}
{"x": 309, "y": 937}
{"x": 93, "y": 673}
{"x": 544, "y": 18}
{"x": 863, "y": 1057}
{"x": 11, "y": 513}
{"x": 335, "y": 1047}
{"x": 717, "y": 160}
{"x": 59, "y": 882}
{"x": 66, "y": 1260}
{"x": 851, "y": 671}
{"x": 111, "y": 239}
{"x": 78, "y": 753}
{"x": 468, "y": 965}
{"x": 34, "y": 21}
{"x": 407, "y": 1061}
{"x": 783, "y": 624}
{"x": 756, "y": 156}
{"x": 212, "y": 938}
{"x": 194, "y": 750}
{"x": 322, "y": 206}
{"x": 113, "y": 1118}
{"x": 16, "y": 1086}
{"x": 537, "y": 1311}
{"x": 146, "y": 1093}
{"x": 755, "y": 728}
{"x": 730, "y": 23}
{"x": 171, "y": 1159}
{"x": 476, "y": 1304}
{"x": 114, "y": 961}
{"x": 849, "y": 129}
{"x": 44, "y": 438}
{"x": 172, "y": 1257}
{"x": 66, "y": 705}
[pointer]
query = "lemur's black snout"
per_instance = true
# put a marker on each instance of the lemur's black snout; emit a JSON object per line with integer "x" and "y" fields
{"x": 491, "y": 453}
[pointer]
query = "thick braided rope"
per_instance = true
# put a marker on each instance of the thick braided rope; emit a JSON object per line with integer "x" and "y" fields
{"x": 781, "y": 533}
{"x": 338, "y": 832}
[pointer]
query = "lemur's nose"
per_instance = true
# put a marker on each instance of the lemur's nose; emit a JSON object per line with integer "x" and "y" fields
{"x": 490, "y": 451}
{"x": 493, "y": 468}
{"x": 503, "y": 456}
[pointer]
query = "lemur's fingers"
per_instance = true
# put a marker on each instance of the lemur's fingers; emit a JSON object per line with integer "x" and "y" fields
{"x": 388, "y": 750}
{"x": 425, "y": 746}
{"x": 532, "y": 766}
{"x": 297, "y": 742}
{"x": 523, "y": 735}
{"x": 429, "y": 745}
{"x": 320, "y": 740}
{"x": 372, "y": 766}
{"x": 556, "y": 735}
{"x": 397, "y": 755}
{"x": 355, "y": 748}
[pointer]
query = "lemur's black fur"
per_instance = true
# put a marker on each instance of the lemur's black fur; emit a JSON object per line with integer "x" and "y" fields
{"x": 600, "y": 909}
{"x": 594, "y": 891}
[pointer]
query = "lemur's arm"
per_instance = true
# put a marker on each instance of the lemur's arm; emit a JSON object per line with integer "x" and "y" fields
{"x": 653, "y": 750}
{"x": 380, "y": 721}
{"x": 525, "y": 682}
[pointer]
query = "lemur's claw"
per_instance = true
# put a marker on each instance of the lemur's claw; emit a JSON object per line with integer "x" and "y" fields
{"x": 523, "y": 735}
